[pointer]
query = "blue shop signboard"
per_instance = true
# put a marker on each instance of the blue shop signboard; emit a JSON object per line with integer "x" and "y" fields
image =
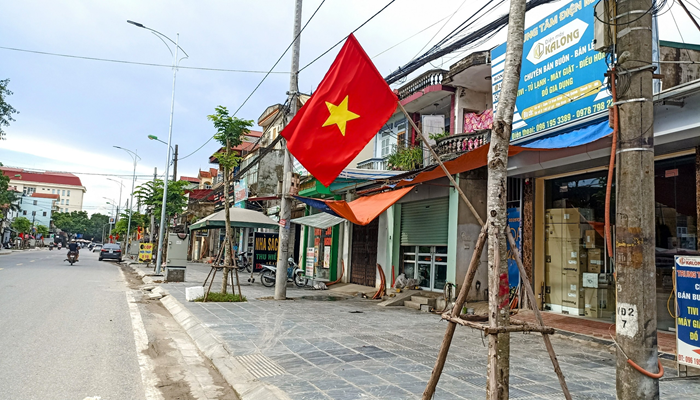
{"x": 688, "y": 310}
{"x": 562, "y": 77}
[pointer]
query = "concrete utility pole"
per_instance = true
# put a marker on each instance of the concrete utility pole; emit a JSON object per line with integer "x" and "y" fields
{"x": 285, "y": 206}
{"x": 634, "y": 218}
{"x": 499, "y": 310}
{"x": 153, "y": 217}
{"x": 175, "y": 165}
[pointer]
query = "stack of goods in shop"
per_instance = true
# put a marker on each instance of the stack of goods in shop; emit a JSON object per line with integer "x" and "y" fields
{"x": 575, "y": 274}
{"x": 565, "y": 260}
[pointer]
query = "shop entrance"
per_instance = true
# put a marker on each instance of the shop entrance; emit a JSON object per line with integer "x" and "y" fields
{"x": 364, "y": 253}
{"x": 427, "y": 265}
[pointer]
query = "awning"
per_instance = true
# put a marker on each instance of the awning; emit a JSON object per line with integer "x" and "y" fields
{"x": 320, "y": 221}
{"x": 577, "y": 137}
{"x": 361, "y": 211}
{"x": 240, "y": 218}
{"x": 478, "y": 158}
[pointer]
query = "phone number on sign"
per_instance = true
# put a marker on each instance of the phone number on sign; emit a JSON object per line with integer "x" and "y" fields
{"x": 562, "y": 119}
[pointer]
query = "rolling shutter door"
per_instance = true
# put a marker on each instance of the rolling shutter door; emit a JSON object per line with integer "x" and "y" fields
{"x": 425, "y": 222}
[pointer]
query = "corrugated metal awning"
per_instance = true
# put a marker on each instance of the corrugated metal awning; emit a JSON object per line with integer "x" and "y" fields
{"x": 320, "y": 220}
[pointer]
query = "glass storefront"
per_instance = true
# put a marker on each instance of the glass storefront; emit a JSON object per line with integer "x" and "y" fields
{"x": 578, "y": 272}
{"x": 426, "y": 264}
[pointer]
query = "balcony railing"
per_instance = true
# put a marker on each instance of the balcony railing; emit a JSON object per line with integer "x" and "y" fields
{"x": 428, "y": 78}
{"x": 462, "y": 143}
{"x": 377, "y": 164}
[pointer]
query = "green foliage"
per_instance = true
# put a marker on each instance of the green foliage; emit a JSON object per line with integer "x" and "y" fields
{"x": 21, "y": 225}
{"x": 6, "y": 110}
{"x": 406, "y": 159}
{"x": 137, "y": 219}
{"x": 438, "y": 136}
{"x": 8, "y": 198}
{"x": 152, "y": 196}
{"x": 229, "y": 129}
{"x": 43, "y": 230}
{"x": 221, "y": 297}
{"x": 72, "y": 222}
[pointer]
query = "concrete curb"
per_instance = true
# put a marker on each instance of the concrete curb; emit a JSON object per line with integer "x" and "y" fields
{"x": 243, "y": 383}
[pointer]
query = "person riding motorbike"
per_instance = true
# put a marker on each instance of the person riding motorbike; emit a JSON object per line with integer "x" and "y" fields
{"x": 73, "y": 246}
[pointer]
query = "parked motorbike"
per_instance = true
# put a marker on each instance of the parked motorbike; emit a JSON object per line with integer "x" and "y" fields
{"x": 72, "y": 257}
{"x": 50, "y": 246}
{"x": 268, "y": 275}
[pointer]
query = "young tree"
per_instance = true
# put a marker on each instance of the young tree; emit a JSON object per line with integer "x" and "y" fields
{"x": 151, "y": 195}
{"x": 42, "y": 230}
{"x": 6, "y": 110}
{"x": 21, "y": 225}
{"x": 229, "y": 132}
{"x": 499, "y": 345}
{"x": 8, "y": 198}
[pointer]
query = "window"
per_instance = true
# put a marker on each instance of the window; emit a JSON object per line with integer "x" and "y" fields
{"x": 35, "y": 202}
{"x": 28, "y": 191}
{"x": 44, "y": 213}
{"x": 24, "y": 212}
{"x": 385, "y": 144}
{"x": 68, "y": 193}
{"x": 67, "y": 201}
{"x": 53, "y": 191}
{"x": 62, "y": 201}
{"x": 64, "y": 193}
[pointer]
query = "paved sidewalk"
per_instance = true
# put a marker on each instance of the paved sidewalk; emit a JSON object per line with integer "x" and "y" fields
{"x": 326, "y": 346}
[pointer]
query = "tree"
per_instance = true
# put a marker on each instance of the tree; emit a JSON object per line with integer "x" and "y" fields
{"x": 75, "y": 222}
{"x": 8, "y": 198}
{"x": 499, "y": 315}
{"x": 229, "y": 132}
{"x": 21, "y": 225}
{"x": 97, "y": 223}
{"x": 151, "y": 195}
{"x": 137, "y": 219}
{"x": 42, "y": 230}
{"x": 6, "y": 110}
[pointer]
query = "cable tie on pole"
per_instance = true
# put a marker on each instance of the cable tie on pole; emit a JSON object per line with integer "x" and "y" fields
{"x": 627, "y": 31}
{"x": 643, "y": 68}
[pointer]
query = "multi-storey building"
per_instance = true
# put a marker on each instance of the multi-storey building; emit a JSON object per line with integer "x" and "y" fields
{"x": 66, "y": 186}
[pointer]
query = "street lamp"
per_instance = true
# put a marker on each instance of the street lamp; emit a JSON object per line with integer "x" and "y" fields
{"x": 121, "y": 185}
{"x": 135, "y": 157}
{"x": 163, "y": 221}
{"x": 174, "y": 162}
{"x": 111, "y": 203}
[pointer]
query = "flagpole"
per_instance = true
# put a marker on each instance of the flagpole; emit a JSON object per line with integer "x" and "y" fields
{"x": 285, "y": 204}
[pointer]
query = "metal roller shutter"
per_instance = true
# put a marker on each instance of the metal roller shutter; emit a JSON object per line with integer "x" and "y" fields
{"x": 425, "y": 222}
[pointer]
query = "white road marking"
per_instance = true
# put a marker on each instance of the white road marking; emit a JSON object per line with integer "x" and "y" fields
{"x": 148, "y": 376}
{"x": 0, "y": 269}
{"x": 20, "y": 264}
{"x": 32, "y": 260}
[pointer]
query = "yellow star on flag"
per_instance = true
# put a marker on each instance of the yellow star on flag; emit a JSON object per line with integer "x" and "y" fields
{"x": 340, "y": 115}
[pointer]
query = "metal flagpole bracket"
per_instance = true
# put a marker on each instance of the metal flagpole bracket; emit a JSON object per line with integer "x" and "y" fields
{"x": 639, "y": 100}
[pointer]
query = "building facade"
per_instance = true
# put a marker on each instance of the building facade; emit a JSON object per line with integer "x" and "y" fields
{"x": 66, "y": 186}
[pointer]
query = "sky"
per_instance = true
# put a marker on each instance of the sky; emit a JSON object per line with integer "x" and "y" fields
{"x": 73, "y": 111}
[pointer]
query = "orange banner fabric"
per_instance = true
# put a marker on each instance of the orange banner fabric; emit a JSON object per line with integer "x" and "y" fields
{"x": 365, "y": 209}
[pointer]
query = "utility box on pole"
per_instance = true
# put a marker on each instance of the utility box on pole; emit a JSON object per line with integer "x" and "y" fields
{"x": 176, "y": 263}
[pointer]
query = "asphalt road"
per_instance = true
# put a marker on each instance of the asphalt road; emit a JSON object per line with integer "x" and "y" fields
{"x": 65, "y": 331}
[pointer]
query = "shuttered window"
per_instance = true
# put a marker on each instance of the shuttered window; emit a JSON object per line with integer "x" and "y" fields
{"x": 425, "y": 222}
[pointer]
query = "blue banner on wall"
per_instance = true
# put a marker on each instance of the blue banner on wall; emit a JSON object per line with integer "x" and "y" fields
{"x": 513, "y": 271}
{"x": 688, "y": 310}
{"x": 562, "y": 77}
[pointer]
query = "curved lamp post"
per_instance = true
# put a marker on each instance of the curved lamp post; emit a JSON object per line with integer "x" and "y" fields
{"x": 135, "y": 157}
{"x": 121, "y": 186}
{"x": 163, "y": 221}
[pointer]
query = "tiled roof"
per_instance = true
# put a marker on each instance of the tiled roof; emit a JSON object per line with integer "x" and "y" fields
{"x": 58, "y": 178}
{"x": 204, "y": 174}
{"x": 189, "y": 179}
{"x": 46, "y": 195}
{"x": 197, "y": 194}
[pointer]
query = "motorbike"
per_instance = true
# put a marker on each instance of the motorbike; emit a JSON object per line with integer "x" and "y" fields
{"x": 50, "y": 246}
{"x": 72, "y": 257}
{"x": 268, "y": 275}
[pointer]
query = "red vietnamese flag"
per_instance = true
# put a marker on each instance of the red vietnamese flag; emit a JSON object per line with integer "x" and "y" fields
{"x": 351, "y": 104}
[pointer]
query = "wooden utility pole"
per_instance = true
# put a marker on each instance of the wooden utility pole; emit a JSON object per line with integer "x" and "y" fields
{"x": 499, "y": 310}
{"x": 634, "y": 218}
{"x": 286, "y": 201}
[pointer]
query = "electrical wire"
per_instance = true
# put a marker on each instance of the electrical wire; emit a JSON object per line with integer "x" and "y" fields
{"x": 439, "y": 50}
{"x": 438, "y": 31}
{"x": 411, "y": 37}
{"x": 46, "y": 53}
{"x": 343, "y": 39}
{"x": 264, "y": 77}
